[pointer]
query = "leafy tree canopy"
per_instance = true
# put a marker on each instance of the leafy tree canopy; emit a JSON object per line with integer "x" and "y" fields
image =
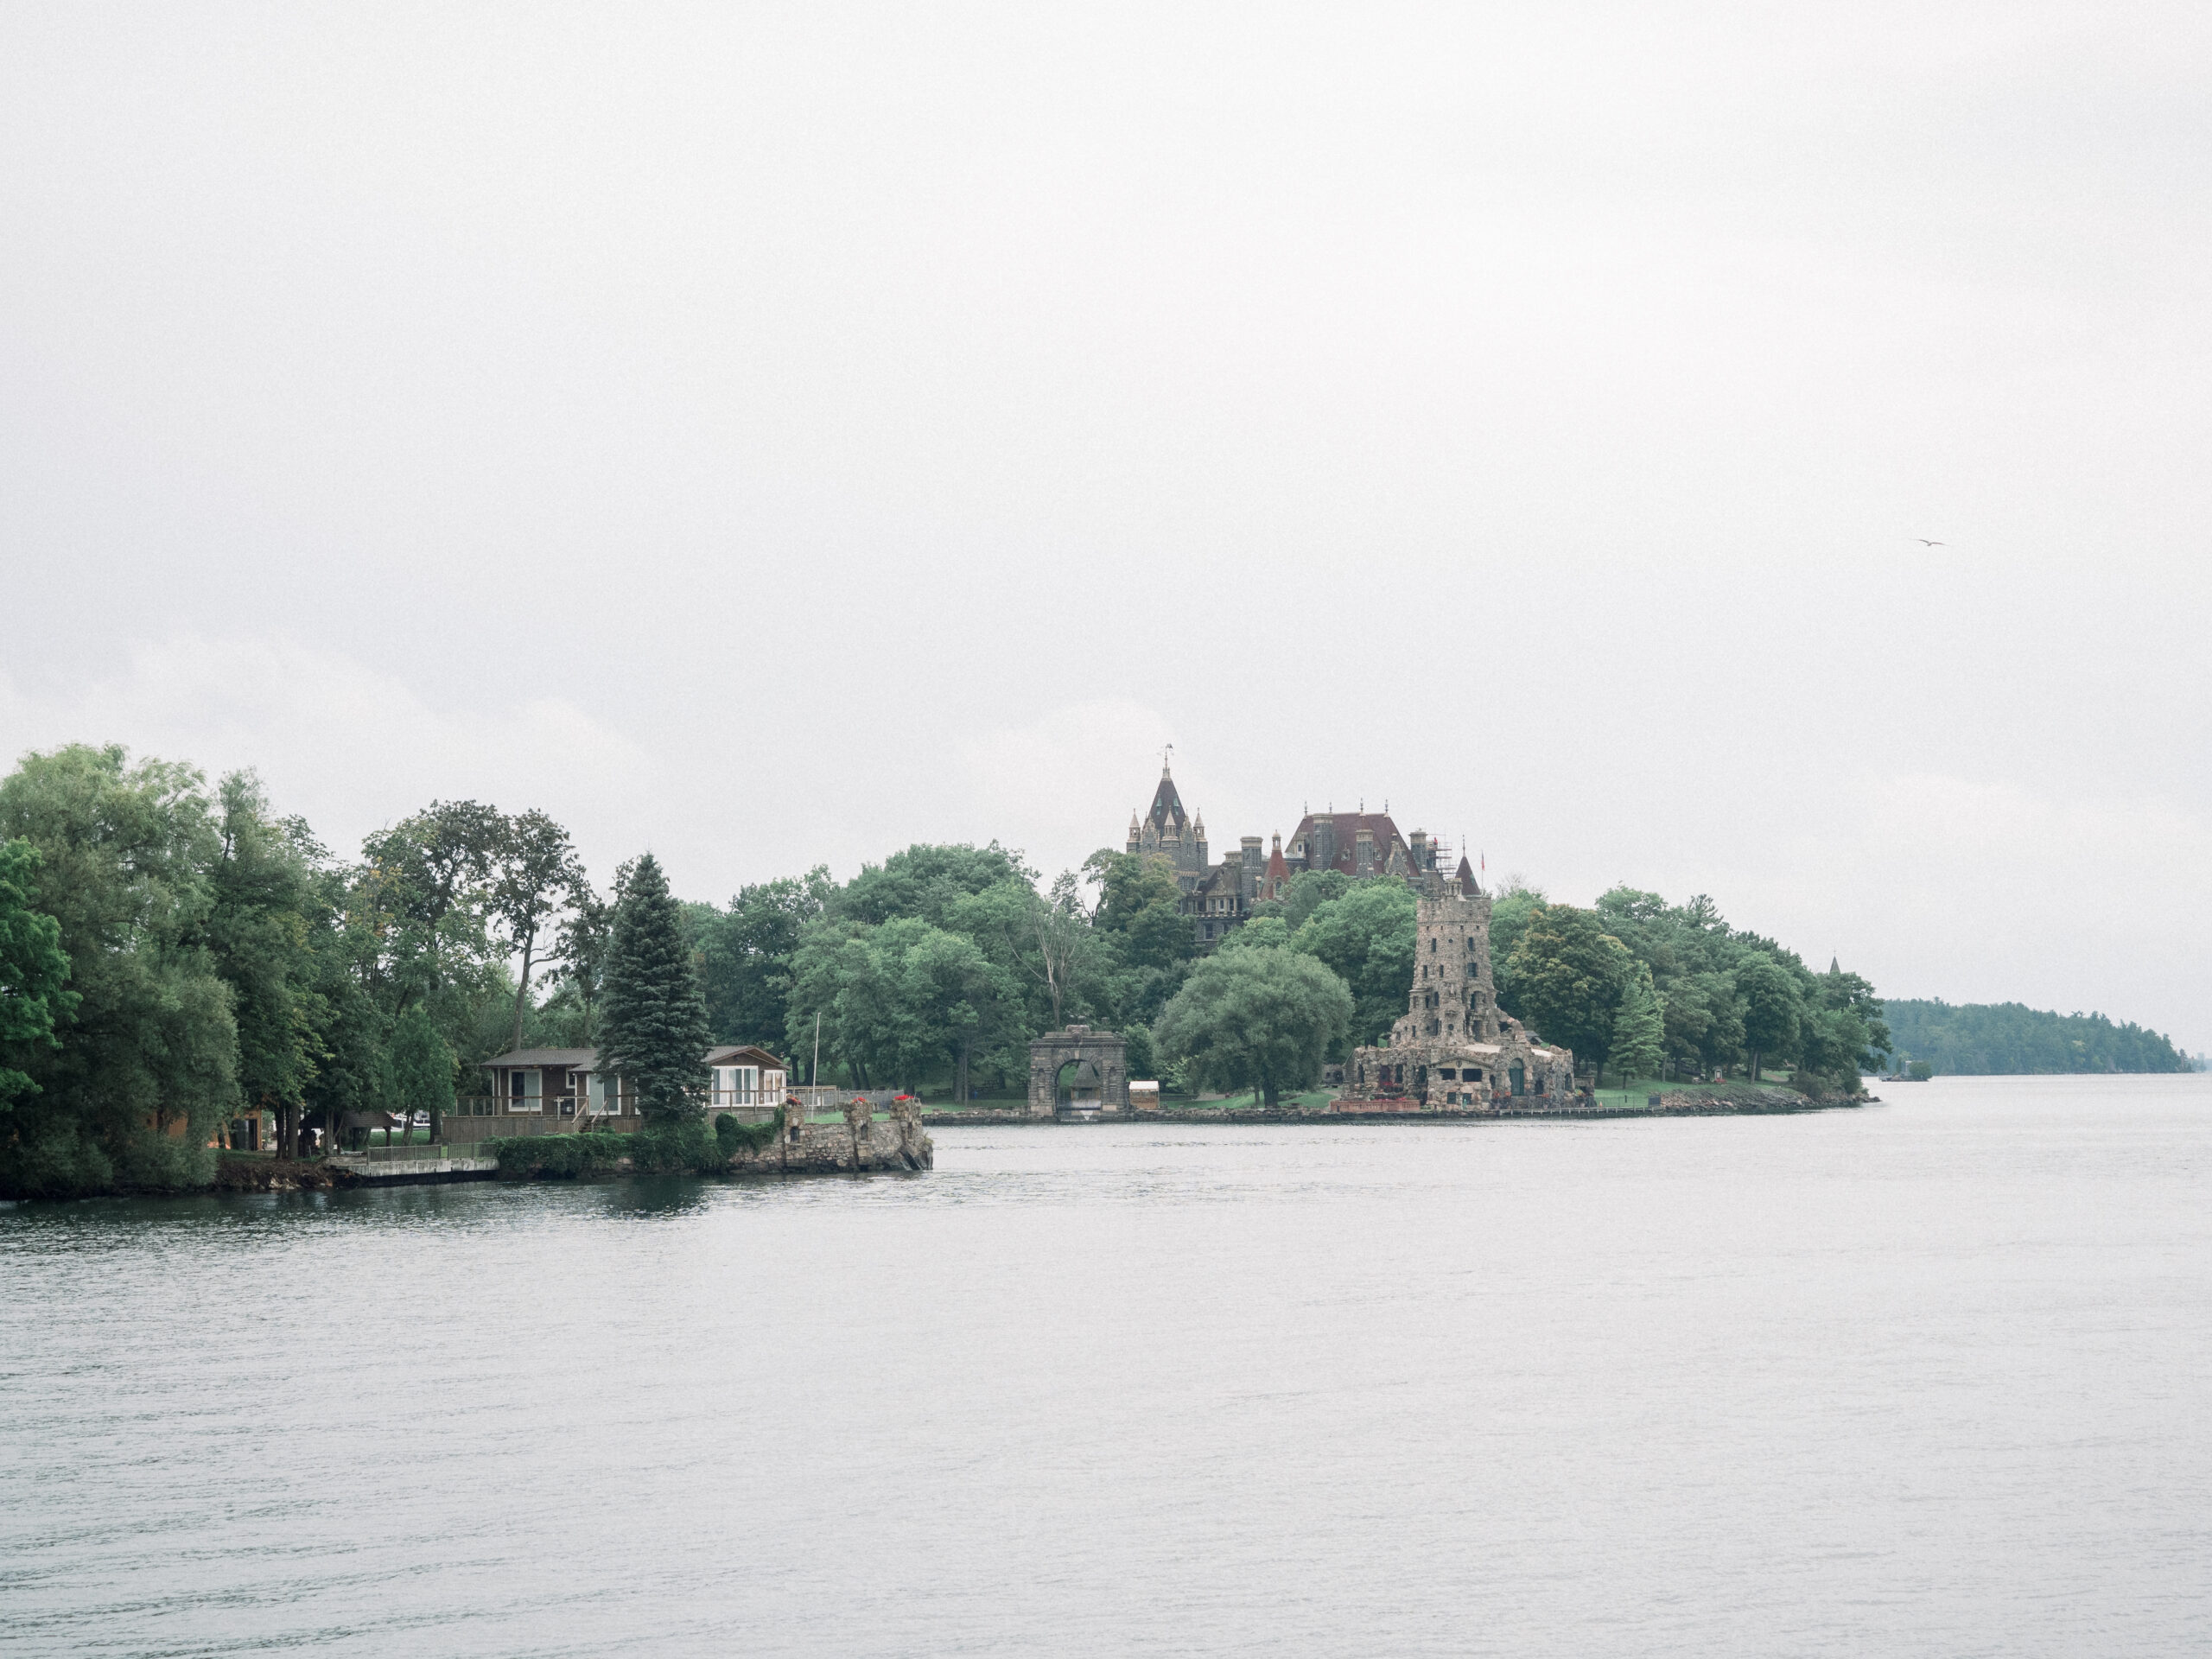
{"x": 33, "y": 969}
{"x": 1259, "y": 1018}
{"x": 1567, "y": 975}
{"x": 126, "y": 851}
{"x": 925, "y": 881}
{"x": 1366, "y": 936}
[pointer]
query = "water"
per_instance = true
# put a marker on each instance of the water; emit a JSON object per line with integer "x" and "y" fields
{"x": 1928, "y": 1377}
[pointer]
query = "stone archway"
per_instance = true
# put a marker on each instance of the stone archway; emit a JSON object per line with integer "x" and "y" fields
{"x": 1105, "y": 1052}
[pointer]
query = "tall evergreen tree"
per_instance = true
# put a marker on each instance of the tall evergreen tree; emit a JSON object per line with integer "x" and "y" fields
{"x": 653, "y": 1020}
{"x": 1639, "y": 1046}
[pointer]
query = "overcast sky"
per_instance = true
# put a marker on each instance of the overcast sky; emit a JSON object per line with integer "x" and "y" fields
{"x": 776, "y": 435}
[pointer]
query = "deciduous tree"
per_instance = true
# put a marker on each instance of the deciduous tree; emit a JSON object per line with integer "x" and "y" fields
{"x": 1567, "y": 974}
{"x": 148, "y": 1067}
{"x": 34, "y": 971}
{"x": 1773, "y": 1007}
{"x": 534, "y": 872}
{"x": 1367, "y": 936}
{"x": 1261, "y": 1018}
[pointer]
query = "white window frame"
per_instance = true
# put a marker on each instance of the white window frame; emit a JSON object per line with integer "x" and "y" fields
{"x": 532, "y": 1098}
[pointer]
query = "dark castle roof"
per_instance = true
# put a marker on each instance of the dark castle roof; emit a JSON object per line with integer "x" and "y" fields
{"x": 1346, "y": 827}
{"x": 1166, "y": 805}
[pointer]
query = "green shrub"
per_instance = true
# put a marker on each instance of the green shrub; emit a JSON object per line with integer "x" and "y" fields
{"x": 732, "y": 1136}
{"x": 675, "y": 1149}
{"x": 556, "y": 1157}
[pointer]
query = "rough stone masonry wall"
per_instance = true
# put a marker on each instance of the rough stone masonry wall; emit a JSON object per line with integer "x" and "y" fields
{"x": 1452, "y": 965}
{"x": 829, "y": 1148}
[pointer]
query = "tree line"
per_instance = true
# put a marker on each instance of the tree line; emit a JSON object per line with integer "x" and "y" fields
{"x": 1654, "y": 990}
{"x": 1984, "y": 1039}
{"x": 173, "y": 952}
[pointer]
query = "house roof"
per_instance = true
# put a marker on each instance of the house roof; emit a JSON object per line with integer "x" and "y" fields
{"x": 579, "y": 1057}
{"x": 587, "y": 1059}
{"x": 751, "y": 1054}
{"x": 1466, "y": 877}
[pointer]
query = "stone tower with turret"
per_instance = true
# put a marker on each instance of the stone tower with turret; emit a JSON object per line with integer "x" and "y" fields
{"x": 1174, "y": 834}
{"x": 1453, "y": 1049}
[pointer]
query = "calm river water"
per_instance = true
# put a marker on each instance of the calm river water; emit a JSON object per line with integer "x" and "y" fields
{"x": 1933, "y": 1378}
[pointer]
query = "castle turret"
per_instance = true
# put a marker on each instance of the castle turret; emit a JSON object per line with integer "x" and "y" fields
{"x": 1252, "y": 865}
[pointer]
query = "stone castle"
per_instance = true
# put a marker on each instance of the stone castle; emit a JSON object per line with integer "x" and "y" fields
{"x": 1453, "y": 1048}
{"x": 1219, "y": 897}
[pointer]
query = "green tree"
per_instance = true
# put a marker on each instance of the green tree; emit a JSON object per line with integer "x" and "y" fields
{"x": 655, "y": 1020}
{"x": 34, "y": 970}
{"x": 1262, "y": 932}
{"x": 1261, "y": 1018}
{"x": 581, "y": 948}
{"x": 148, "y": 1067}
{"x": 1141, "y": 908}
{"x": 747, "y": 950}
{"x": 1704, "y": 1019}
{"x": 1366, "y": 936}
{"x": 1510, "y": 912}
{"x": 1842, "y": 1033}
{"x": 832, "y": 954}
{"x": 1567, "y": 974}
{"x": 420, "y": 911}
{"x": 925, "y": 881}
{"x": 263, "y": 932}
{"x": 1773, "y": 1009}
{"x": 422, "y": 1070}
{"x": 1309, "y": 890}
{"x": 534, "y": 870}
{"x": 1638, "y": 1042}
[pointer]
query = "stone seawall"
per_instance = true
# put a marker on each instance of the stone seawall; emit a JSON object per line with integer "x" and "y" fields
{"x": 1678, "y": 1103}
{"x": 834, "y": 1149}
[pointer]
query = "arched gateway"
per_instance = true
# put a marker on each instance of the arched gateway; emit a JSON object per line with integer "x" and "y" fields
{"x": 1106, "y": 1054}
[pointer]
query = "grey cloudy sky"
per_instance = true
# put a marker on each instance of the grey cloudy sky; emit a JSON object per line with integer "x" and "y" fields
{"x": 781, "y": 435}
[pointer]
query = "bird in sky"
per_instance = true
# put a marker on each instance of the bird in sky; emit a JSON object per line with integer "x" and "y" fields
{"x": 1924, "y": 542}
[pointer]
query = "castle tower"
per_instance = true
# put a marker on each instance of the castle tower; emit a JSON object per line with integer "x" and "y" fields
{"x": 1252, "y": 865}
{"x": 1454, "y": 996}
